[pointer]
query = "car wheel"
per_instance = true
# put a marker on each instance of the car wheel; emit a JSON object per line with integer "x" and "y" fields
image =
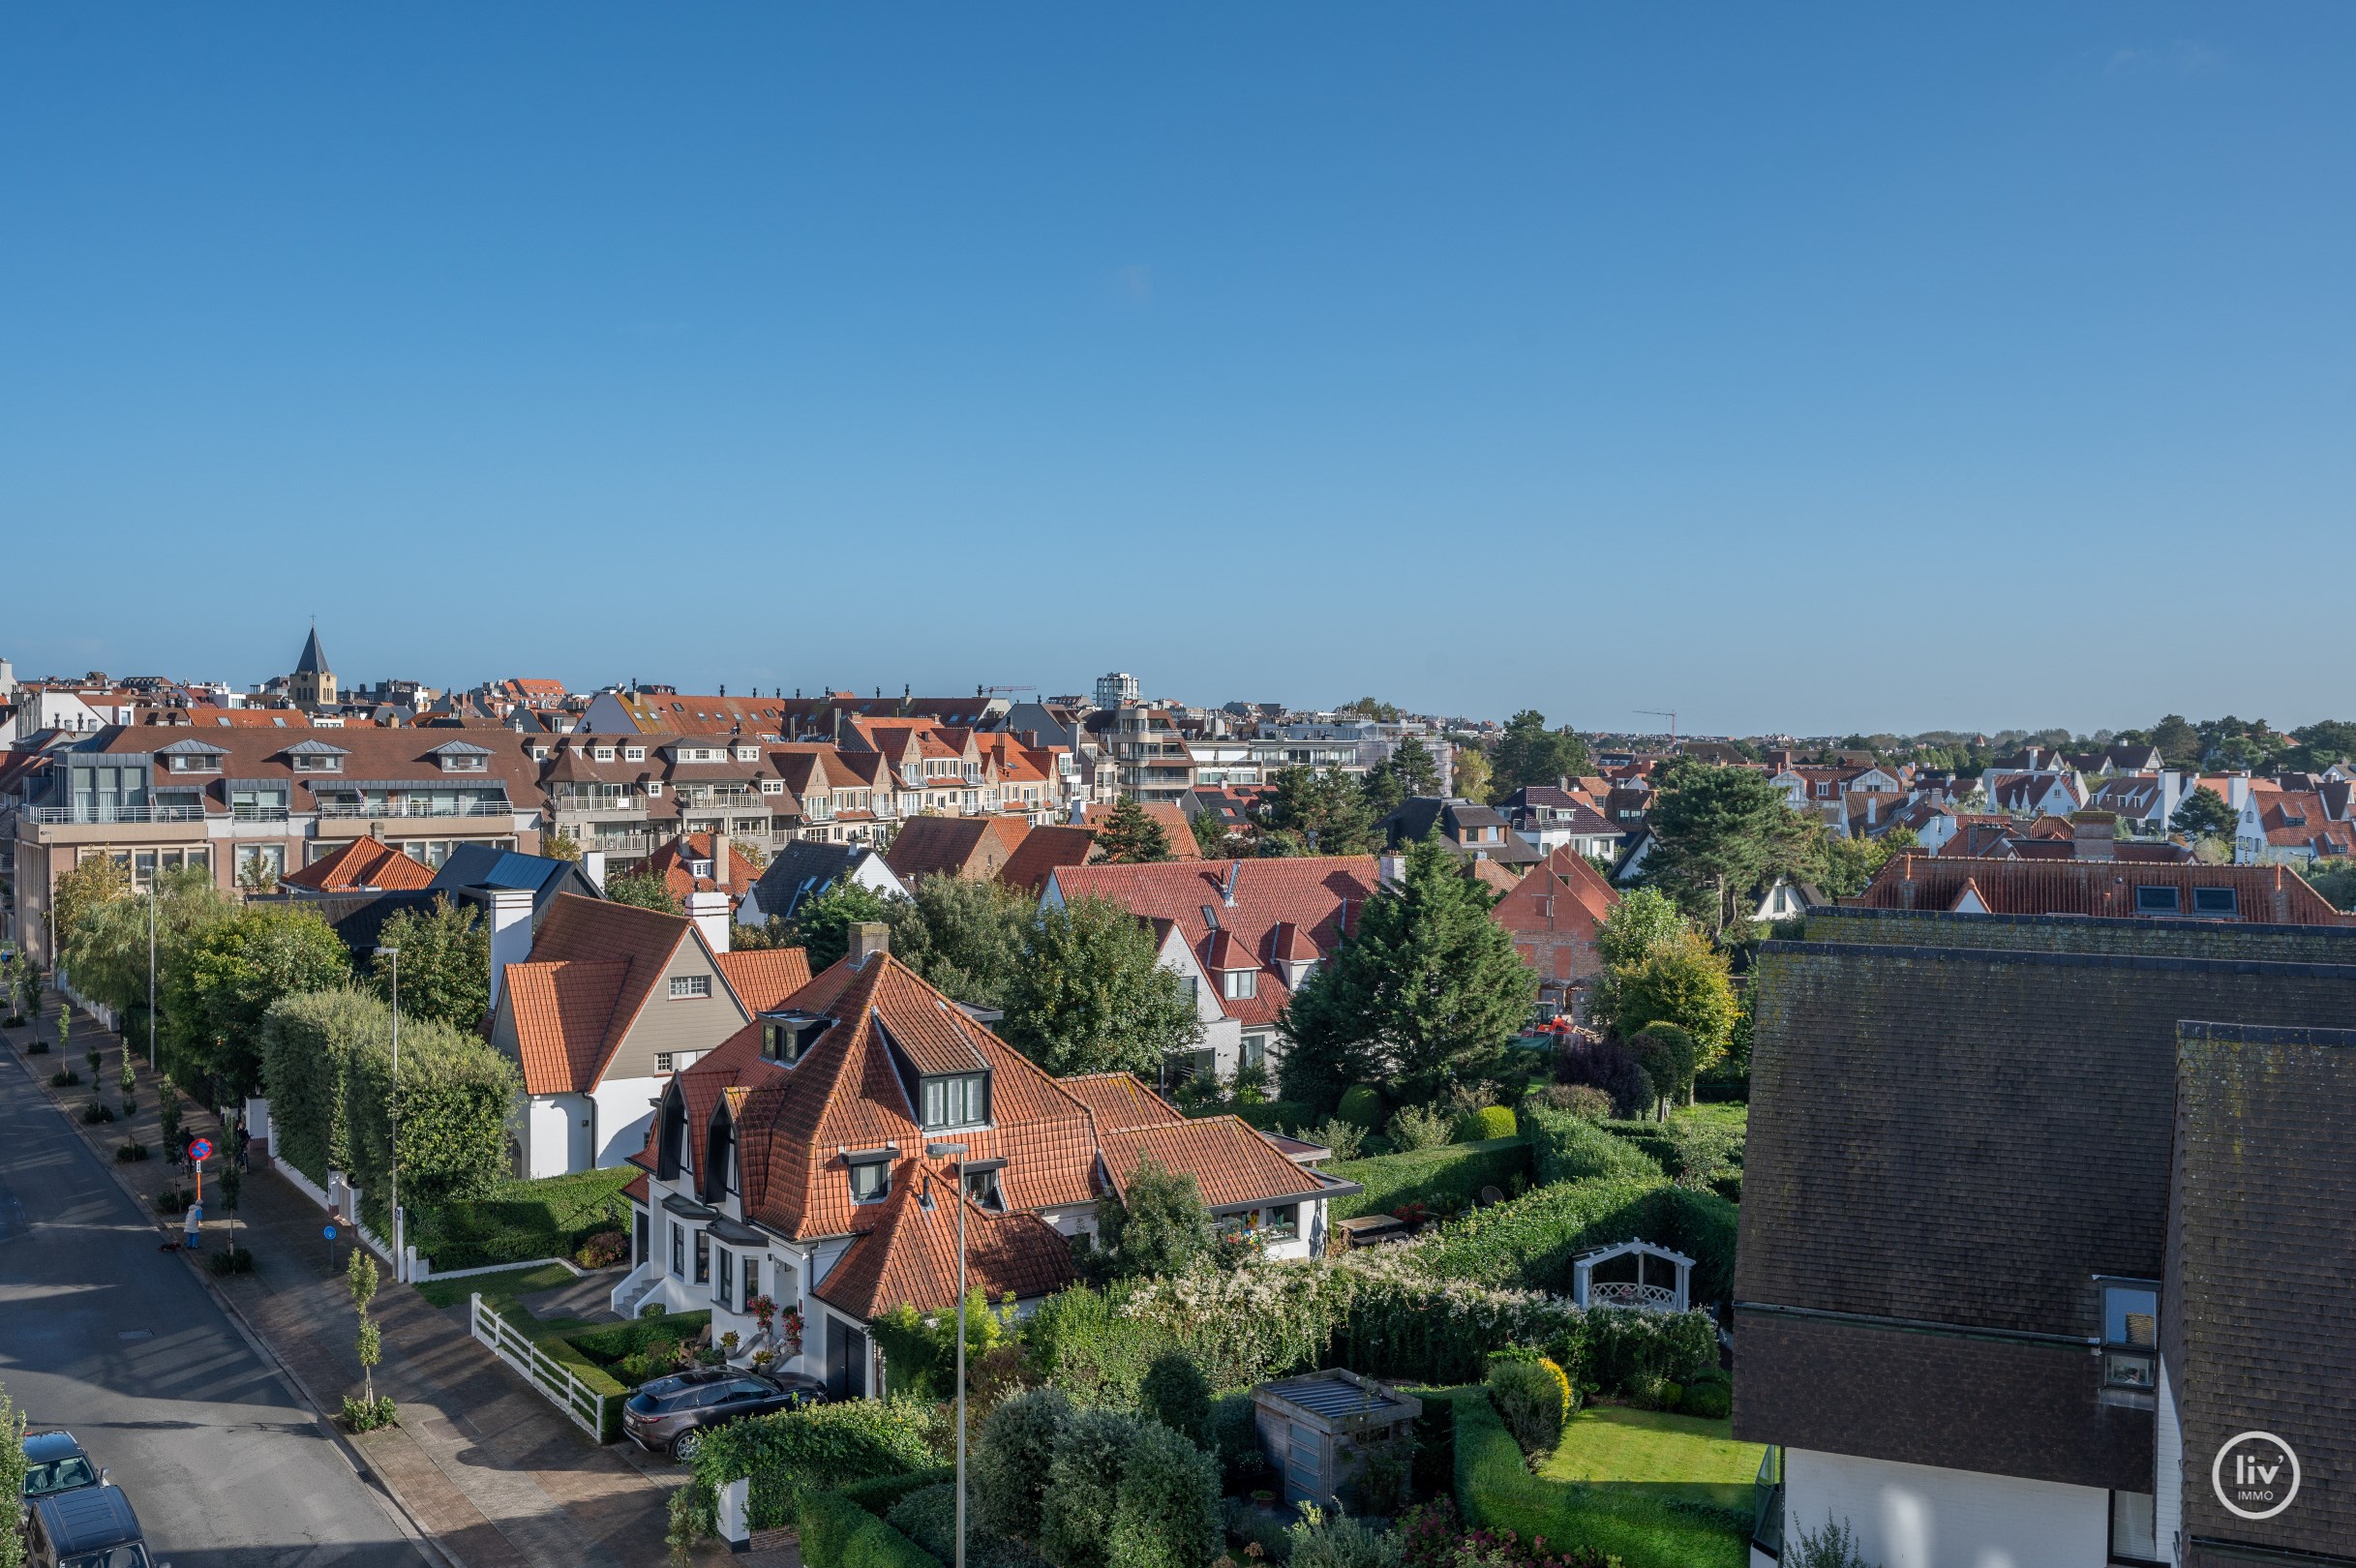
{"x": 685, "y": 1445}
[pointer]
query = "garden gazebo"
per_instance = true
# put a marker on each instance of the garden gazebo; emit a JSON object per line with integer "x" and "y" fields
{"x": 1646, "y": 1291}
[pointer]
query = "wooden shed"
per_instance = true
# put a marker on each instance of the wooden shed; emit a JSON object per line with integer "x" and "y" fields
{"x": 1316, "y": 1429}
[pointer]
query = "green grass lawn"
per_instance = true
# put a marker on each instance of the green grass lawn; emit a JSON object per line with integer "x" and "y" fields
{"x": 1665, "y": 1455}
{"x": 500, "y": 1292}
{"x": 1733, "y": 1115}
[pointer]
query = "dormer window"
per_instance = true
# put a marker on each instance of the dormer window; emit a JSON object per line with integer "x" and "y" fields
{"x": 979, "y": 1181}
{"x": 2130, "y": 1335}
{"x": 629, "y": 753}
{"x": 747, "y": 753}
{"x": 602, "y": 753}
{"x": 2215, "y": 902}
{"x": 871, "y": 1177}
{"x": 1238, "y": 985}
{"x": 206, "y": 764}
{"x": 962, "y": 1101}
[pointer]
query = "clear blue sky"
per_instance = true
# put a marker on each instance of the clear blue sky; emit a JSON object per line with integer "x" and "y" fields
{"x": 1819, "y": 367}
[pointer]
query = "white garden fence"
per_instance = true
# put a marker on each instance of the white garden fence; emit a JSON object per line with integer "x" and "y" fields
{"x": 581, "y": 1405}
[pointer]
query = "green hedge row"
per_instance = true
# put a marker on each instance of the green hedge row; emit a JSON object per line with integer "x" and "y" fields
{"x": 1531, "y": 1242}
{"x": 838, "y": 1534}
{"x": 1448, "y": 1177}
{"x": 519, "y": 1220}
{"x": 879, "y": 1496}
{"x": 1567, "y": 1148}
{"x": 1495, "y": 1489}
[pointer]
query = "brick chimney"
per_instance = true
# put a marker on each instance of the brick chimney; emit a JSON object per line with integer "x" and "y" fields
{"x": 722, "y": 851}
{"x": 2093, "y": 835}
{"x": 868, "y": 937}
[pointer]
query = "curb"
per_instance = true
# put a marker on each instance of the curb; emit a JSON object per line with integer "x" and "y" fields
{"x": 379, "y": 1484}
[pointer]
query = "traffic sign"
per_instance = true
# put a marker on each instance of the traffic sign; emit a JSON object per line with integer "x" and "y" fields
{"x": 331, "y": 1232}
{"x": 201, "y": 1149}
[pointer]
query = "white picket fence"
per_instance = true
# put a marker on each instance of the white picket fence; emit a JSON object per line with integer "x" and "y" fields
{"x": 554, "y": 1380}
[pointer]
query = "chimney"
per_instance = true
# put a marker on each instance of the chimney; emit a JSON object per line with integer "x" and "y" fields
{"x": 710, "y": 913}
{"x": 1235, "y": 870}
{"x": 510, "y": 922}
{"x": 721, "y": 855}
{"x": 2093, "y": 835}
{"x": 593, "y": 866}
{"x": 868, "y": 937}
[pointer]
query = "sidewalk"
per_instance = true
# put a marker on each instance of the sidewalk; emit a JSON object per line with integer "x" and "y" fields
{"x": 484, "y": 1466}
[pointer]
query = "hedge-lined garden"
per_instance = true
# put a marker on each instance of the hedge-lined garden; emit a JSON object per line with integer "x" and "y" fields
{"x": 516, "y": 1221}
{"x": 1441, "y": 1180}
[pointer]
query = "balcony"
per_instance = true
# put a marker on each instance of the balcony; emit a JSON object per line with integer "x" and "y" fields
{"x": 403, "y": 809}
{"x": 102, "y": 813}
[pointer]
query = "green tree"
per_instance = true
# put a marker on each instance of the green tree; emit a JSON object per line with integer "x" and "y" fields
{"x": 1157, "y": 1225}
{"x": 1643, "y": 920}
{"x": 1371, "y": 708}
{"x": 1718, "y": 832}
{"x": 1168, "y": 1511}
{"x": 1683, "y": 982}
{"x": 85, "y": 888}
{"x": 12, "y": 1465}
{"x": 1669, "y": 1055}
{"x": 1325, "y": 813}
{"x": 1210, "y": 834}
{"x": 445, "y": 963}
{"x": 642, "y": 889}
{"x": 1131, "y": 837}
{"x": 360, "y": 1279}
{"x": 822, "y": 925}
{"x": 2321, "y": 744}
{"x": 108, "y": 951}
{"x": 1175, "y": 1393}
{"x": 1091, "y": 995}
{"x": 1424, "y": 995}
{"x": 2179, "y": 744}
{"x": 226, "y": 978}
{"x": 1471, "y": 781}
{"x": 1013, "y": 1462}
{"x": 1083, "y": 1492}
{"x": 1530, "y": 753}
{"x": 965, "y": 937}
{"x": 559, "y": 846}
{"x": 1405, "y": 773}
{"x": 2204, "y": 814}
{"x": 1845, "y": 866}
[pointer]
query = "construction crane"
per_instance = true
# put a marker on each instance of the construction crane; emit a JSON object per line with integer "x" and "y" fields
{"x": 1662, "y": 713}
{"x": 995, "y": 690}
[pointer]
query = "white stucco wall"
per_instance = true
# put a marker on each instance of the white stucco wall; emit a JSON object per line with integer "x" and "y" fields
{"x": 550, "y": 1134}
{"x": 1914, "y": 1515}
{"x": 625, "y": 1109}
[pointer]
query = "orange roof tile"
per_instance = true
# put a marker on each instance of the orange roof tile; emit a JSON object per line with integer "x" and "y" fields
{"x": 1119, "y": 1101}
{"x": 910, "y": 1258}
{"x": 762, "y": 977}
{"x": 1042, "y": 851}
{"x": 363, "y": 863}
{"x": 562, "y": 1012}
{"x": 1228, "y": 1158}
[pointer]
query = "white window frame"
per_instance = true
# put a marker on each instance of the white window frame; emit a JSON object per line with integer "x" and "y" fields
{"x": 690, "y": 987}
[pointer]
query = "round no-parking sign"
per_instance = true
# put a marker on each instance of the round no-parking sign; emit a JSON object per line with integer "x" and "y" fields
{"x": 201, "y": 1149}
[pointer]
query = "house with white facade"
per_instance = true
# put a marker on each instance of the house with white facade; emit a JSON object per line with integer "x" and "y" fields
{"x": 811, "y": 1170}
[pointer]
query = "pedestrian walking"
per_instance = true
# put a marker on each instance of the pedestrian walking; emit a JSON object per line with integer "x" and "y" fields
{"x": 242, "y": 1141}
{"x": 195, "y": 1221}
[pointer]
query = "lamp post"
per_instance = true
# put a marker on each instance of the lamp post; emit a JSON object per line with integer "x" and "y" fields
{"x": 392, "y": 1114}
{"x": 947, "y": 1151}
{"x": 151, "y": 979}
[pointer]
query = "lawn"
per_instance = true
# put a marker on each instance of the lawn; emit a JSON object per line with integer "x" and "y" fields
{"x": 1665, "y": 1455}
{"x": 499, "y": 1291}
{"x": 521, "y": 1221}
{"x": 1730, "y": 1114}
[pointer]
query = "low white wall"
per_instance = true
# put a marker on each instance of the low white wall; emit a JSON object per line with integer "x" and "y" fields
{"x": 1915, "y": 1516}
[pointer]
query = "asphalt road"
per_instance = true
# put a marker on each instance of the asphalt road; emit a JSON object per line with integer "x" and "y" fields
{"x": 105, "y": 1335}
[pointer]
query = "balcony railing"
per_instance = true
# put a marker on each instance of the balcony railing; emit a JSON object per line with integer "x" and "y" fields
{"x": 1766, "y": 1505}
{"x": 418, "y": 808}
{"x": 96, "y": 813}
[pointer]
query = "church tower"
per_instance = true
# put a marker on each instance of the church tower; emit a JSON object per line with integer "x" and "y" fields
{"x": 313, "y": 684}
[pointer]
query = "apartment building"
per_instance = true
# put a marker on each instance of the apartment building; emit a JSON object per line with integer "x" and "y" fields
{"x": 253, "y": 804}
{"x": 625, "y": 794}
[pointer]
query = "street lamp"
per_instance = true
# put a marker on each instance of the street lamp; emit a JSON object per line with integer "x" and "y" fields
{"x": 392, "y": 1114}
{"x": 956, "y": 1151}
{"x": 151, "y": 979}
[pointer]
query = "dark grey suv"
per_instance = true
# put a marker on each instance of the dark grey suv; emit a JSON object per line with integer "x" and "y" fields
{"x": 91, "y": 1527}
{"x": 671, "y": 1414}
{"x": 54, "y": 1463}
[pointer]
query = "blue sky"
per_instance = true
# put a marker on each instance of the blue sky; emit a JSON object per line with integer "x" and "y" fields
{"x": 1817, "y": 367}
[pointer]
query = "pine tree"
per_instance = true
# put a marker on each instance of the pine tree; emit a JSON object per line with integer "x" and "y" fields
{"x": 1424, "y": 995}
{"x": 1131, "y": 837}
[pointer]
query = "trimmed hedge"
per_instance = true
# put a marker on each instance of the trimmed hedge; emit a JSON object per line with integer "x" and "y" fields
{"x": 1568, "y": 1148}
{"x": 1269, "y": 1115}
{"x": 1531, "y": 1241}
{"x": 816, "y": 1448}
{"x": 880, "y": 1495}
{"x": 1361, "y": 1105}
{"x": 1488, "y": 1122}
{"x": 1448, "y": 1177}
{"x": 828, "y": 1520}
{"x": 1495, "y": 1489}
{"x": 520, "y": 1220}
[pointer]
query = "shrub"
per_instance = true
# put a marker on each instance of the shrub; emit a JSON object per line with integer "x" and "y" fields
{"x": 64, "y": 1078}
{"x": 1568, "y": 1148}
{"x": 172, "y": 1200}
{"x": 1421, "y": 1126}
{"x": 828, "y": 1520}
{"x": 1488, "y": 1122}
{"x": 928, "y": 1516}
{"x": 1167, "y": 1516}
{"x": 1667, "y": 1055}
{"x": 1343, "y": 1139}
{"x": 234, "y": 1260}
{"x": 1012, "y": 1458}
{"x": 1255, "y": 1526}
{"x": 1175, "y": 1394}
{"x": 1446, "y": 1178}
{"x": 1084, "y": 1495}
{"x": 882, "y": 1493}
{"x": 879, "y": 1546}
{"x": 97, "y": 1111}
{"x": 367, "y": 1415}
{"x": 1710, "y": 1394}
{"x": 1235, "y": 1441}
{"x": 1582, "y": 1100}
{"x": 1833, "y": 1546}
{"x": 602, "y": 1250}
{"x": 36, "y": 1046}
{"x": 1386, "y": 1471}
{"x": 1361, "y": 1106}
{"x": 131, "y": 1154}
{"x": 1530, "y": 1402}
{"x": 1333, "y": 1539}
{"x": 1608, "y": 1065}
{"x": 1157, "y": 1223}
{"x": 819, "y": 1446}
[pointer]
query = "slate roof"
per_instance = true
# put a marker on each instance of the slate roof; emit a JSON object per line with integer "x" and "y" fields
{"x": 2256, "y": 1322}
{"x": 363, "y": 863}
{"x": 804, "y": 868}
{"x": 2267, "y": 893}
{"x": 1959, "y": 1140}
{"x": 1416, "y": 816}
{"x": 312, "y": 660}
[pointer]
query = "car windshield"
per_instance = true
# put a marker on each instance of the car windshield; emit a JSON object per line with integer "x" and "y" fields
{"x": 133, "y": 1556}
{"x": 58, "y": 1475}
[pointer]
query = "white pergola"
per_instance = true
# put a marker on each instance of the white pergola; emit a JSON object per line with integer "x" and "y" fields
{"x": 1643, "y": 1292}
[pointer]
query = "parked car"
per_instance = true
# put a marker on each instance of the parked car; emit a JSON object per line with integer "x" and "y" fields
{"x": 89, "y": 1527}
{"x": 54, "y": 1463}
{"x": 670, "y": 1415}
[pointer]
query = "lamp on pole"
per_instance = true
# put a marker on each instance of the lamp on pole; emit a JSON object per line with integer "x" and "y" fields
{"x": 956, "y": 1151}
{"x": 151, "y": 979}
{"x": 392, "y": 1113}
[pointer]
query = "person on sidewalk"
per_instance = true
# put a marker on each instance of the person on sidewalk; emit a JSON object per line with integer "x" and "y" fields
{"x": 195, "y": 1221}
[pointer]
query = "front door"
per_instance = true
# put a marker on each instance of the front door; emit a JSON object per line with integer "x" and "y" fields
{"x": 846, "y": 1360}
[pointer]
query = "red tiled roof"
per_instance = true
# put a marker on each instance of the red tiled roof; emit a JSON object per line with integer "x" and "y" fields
{"x": 1179, "y": 831}
{"x": 363, "y": 862}
{"x": 635, "y": 1189}
{"x": 910, "y": 1258}
{"x": 2264, "y": 894}
{"x": 1119, "y": 1101}
{"x": 973, "y": 847}
{"x": 1229, "y": 1160}
{"x": 562, "y": 1012}
{"x": 762, "y": 977}
{"x": 670, "y": 865}
{"x": 1042, "y": 851}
